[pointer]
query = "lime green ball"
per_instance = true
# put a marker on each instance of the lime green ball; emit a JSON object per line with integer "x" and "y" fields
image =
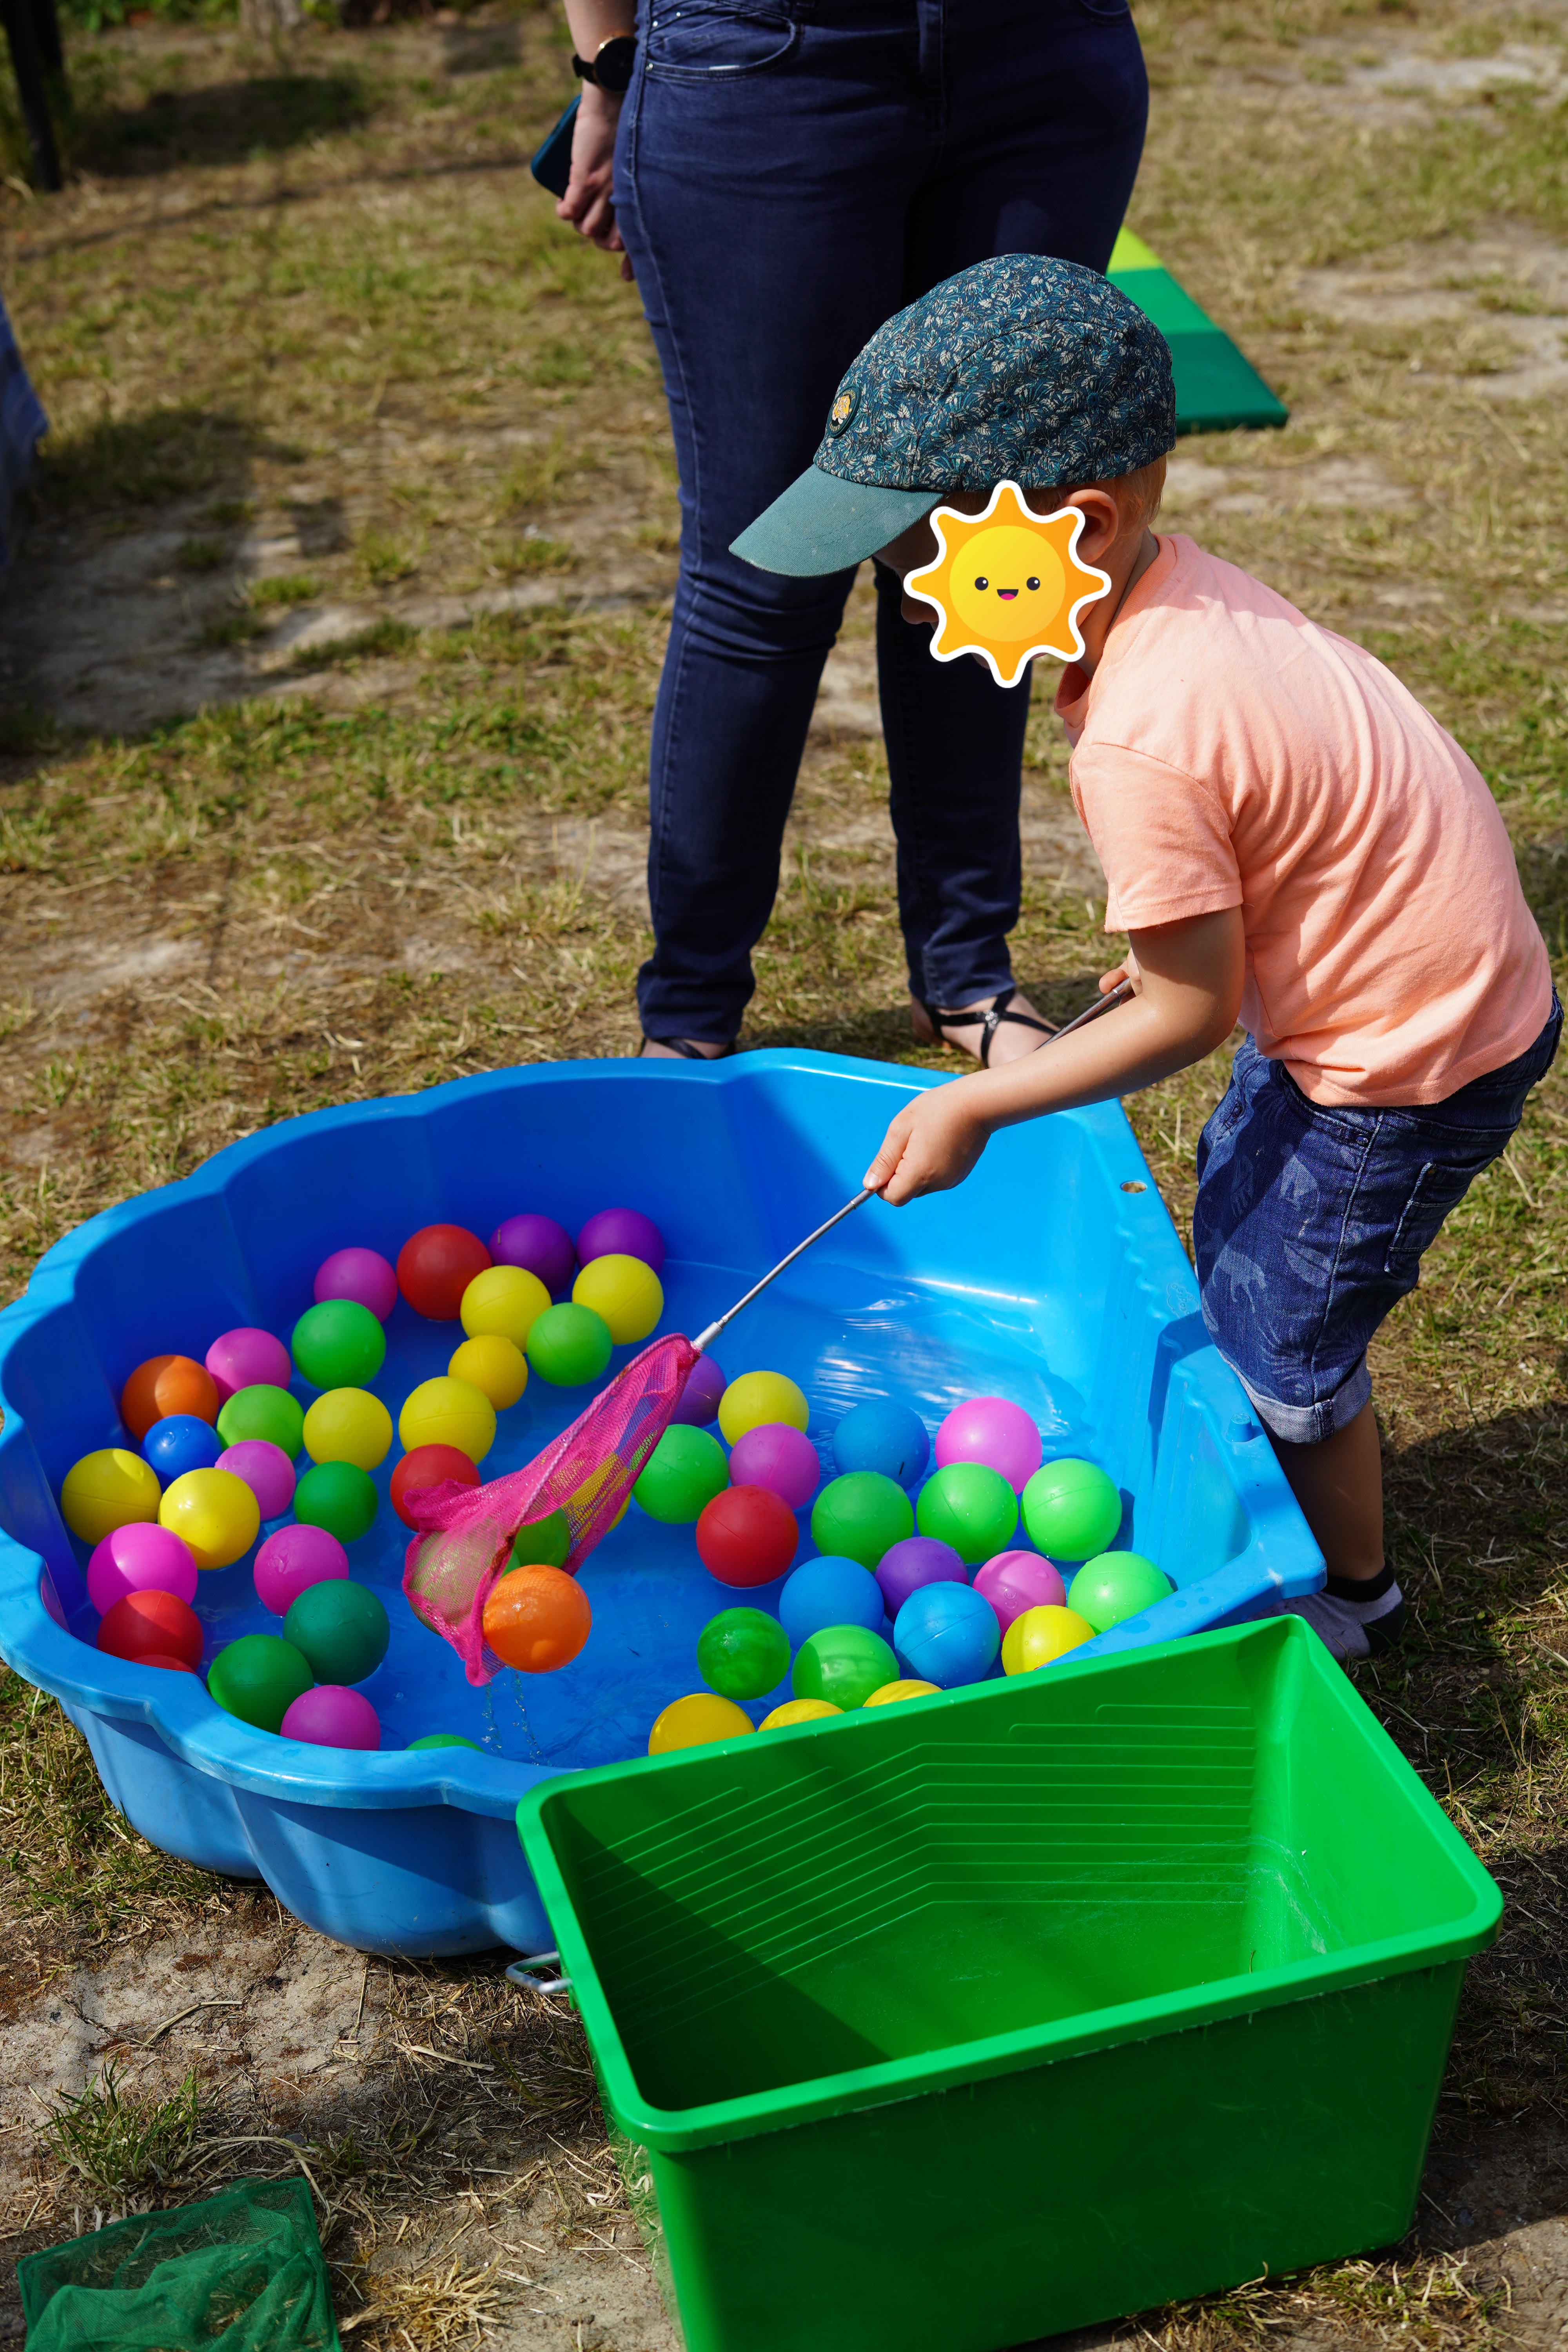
{"x": 258, "y": 1678}
{"x": 743, "y": 1653}
{"x": 339, "y": 1497}
{"x": 541, "y": 1543}
{"x": 339, "y": 1629}
{"x": 1071, "y": 1509}
{"x": 443, "y": 1739}
{"x": 970, "y": 1507}
{"x": 1116, "y": 1585}
{"x": 685, "y": 1469}
{"x": 843, "y": 1664}
{"x": 569, "y": 1346}
{"x": 860, "y": 1516}
{"x": 264, "y": 1412}
{"x": 338, "y": 1345}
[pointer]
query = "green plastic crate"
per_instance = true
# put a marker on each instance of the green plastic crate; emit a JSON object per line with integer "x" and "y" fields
{"x": 1216, "y": 388}
{"x": 960, "y": 2022}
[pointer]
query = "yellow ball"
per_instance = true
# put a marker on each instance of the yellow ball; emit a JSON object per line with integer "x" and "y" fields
{"x": 757, "y": 1398}
{"x": 349, "y": 1425}
{"x": 107, "y": 1490}
{"x": 892, "y": 1692}
{"x": 693, "y": 1722}
{"x": 798, "y": 1711}
{"x": 446, "y": 1412}
{"x": 626, "y": 1292}
{"x": 1042, "y": 1636}
{"x": 215, "y": 1513}
{"x": 494, "y": 1365}
{"x": 503, "y": 1301}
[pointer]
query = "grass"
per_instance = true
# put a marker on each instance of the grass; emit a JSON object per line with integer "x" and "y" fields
{"x": 121, "y": 2143}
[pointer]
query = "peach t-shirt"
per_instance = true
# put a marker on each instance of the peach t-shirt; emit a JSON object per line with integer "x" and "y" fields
{"x": 1229, "y": 752}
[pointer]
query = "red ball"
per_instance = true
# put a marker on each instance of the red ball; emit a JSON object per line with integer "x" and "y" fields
{"x": 170, "y": 1666}
{"x": 151, "y": 1624}
{"x": 435, "y": 1265}
{"x": 429, "y": 1466}
{"x": 747, "y": 1536}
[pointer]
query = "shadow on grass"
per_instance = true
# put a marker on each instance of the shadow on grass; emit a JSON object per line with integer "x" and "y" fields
{"x": 178, "y": 452}
{"x": 226, "y": 123}
{"x": 879, "y": 1034}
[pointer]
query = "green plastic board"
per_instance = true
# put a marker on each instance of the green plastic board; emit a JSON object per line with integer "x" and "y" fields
{"x": 1216, "y": 388}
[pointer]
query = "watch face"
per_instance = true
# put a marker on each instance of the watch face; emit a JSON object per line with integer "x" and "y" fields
{"x": 614, "y": 65}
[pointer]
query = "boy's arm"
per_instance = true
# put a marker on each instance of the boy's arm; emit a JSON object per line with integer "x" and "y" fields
{"x": 1189, "y": 978}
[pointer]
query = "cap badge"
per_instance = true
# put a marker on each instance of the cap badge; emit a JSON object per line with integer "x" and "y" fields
{"x": 841, "y": 412}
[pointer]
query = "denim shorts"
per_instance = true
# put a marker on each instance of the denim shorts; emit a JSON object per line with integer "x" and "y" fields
{"x": 1311, "y": 1221}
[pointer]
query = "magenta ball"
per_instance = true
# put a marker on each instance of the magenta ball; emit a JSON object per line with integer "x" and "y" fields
{"x": 142, "y": 1557}
{"x": 362, "y": 1275}
{"x": 266, "y": 1470}
{"x": 1017, "y": 1580}
{"x": 241, "y": 1358}
{"x": 779, "y": 1457}
{"x": 904, "y": 1567}
{"x": 292, "y": 1559}
{"x": 705, "y": 1385}
{"x": 990, "y": 1429}
{"x": 539, "y": 1246}
{"x": 621, "y": 1232}
{"x": 332, "y": 1716}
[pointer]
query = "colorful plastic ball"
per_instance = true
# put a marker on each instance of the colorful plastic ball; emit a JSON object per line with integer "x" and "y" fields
{"x": 166, "y": 1384}
{"x": 340, "y": 1629}
{"x": 1040, "y": 1636}
{"x": 569, "y": 1346}
{"x": 332, "y": 1717}
{"x": 905, "y": 1567}
{"x": 445, "y": 1412}
{"x": 743, "y": 1653}
{"x": 542, "y": 1543}
{"x": 621, "y": 1233}
{"x": 798, "y": 1711}
{"x": 892, "y": 1692}
{"x": 947, "y": 1635}
{"x": 626, "y": 1292}
{"x": 970, "y": 1507}
{"x": 699, "y": 1398}
{"x": 1017, "y": 1580}
{"x": 1117, "y": 1585}
{"x": 1071, "y": 1509}
{"x": 694, "y": 1721}
{"x": 107, "y": 1490}
{"x": 862, "y": 1514}
{"x": 884, "y": 1436}
{"x": 435, "y": 1265}
{"x": 746, "y": 1535}
{"x": 993, "y": 1431}
{"x": 504, "y": 1302}
{"x": 496, "y": 1366}
{"x": 362, "y": 1275}
{"x": 266, "y": 1470}
{"x": 214, "y": 1512}
{"x": 537, "y": 1618}
{"x": 777, "y": 1455}
{"x": 429, "y": 1466}
{"x": 169, "y": 1665}
{"x": 844, "y": 1664}
{"x": 264, "y": 1412}
{"x": 140, "y": 1557}
{"x": 443, "y": 1739}
{"x": 238, "y": 1359}
{"x": 339, "y": 1344}
{"x": 759, "y": 1397}
{"x": 349, "y": 1425}
{"x": 685, "y": 1469}
{"x": 829, "y": 1591}
{"x": 539, "y": 1246}
{"x": 339, "y": 1497}
{"x": 258, "y": 1678}
{"x": 291, "y": 1560}
{"x": 152, "y": 1622}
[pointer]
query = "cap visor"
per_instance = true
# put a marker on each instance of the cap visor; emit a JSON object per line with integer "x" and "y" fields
{"x": 823, "y": 523}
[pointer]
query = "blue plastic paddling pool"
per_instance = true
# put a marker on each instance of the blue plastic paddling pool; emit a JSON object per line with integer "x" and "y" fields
{"x": 1054, "y": 1276}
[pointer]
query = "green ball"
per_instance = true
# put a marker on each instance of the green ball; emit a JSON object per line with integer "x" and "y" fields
{"x": 743, "y": 1653}
{"x": 541, "y": 1543}
{"x": 443, "y": 1739}
{"x": 569, "y": 1346}
{"x": 970, "y": 1507}
{"x": 685, "y": 1469}
{"x": 1071, "y": 1509}
{"x": 340, "y": 1629}
{"x": 1114, "y": 1586}
{"x": 338, "y": 1345}
{"x": 264, "y": 1412}
{"x": 258, "y": 1678}
{"x": 339, "y": 1497}
{"x": 858, "y": 1517}
{"x": 843, "y": 1663}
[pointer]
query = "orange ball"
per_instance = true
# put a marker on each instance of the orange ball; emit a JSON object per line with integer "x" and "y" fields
{"x": 166, "y": 1384}
{"x": 537, "y": 1618}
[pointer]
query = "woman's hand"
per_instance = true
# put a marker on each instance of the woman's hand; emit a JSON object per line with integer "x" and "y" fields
{"x": 587, "y": 204}
{"x": 931, "y": 1146}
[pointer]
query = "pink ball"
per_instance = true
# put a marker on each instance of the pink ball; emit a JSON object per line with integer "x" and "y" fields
{"x": 332, "y": 1716}
{"x": 624, "y": 1232}
{"x": 291, "y": 1559}
{"x": 142, "y": 1557}
{"x": 240, "y": 1359}
{"x": 990, "y": 1429}
{"x": 266, "y": 1470}
{"x": 781, "y": 1458}
{"x": 1017, "y": 1580}
{"x": 361, "y": 1275}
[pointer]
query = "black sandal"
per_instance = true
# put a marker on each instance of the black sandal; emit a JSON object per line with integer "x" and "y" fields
{"x": 686, "y": 1049}
{"x": 990, "y": 1022}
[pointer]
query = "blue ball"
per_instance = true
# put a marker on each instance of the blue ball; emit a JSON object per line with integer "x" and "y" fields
{"x": 947, "y": 1635}
{"x": 885, "y": 1436}
{"x": 830, "y": 1592}
{"x": 181, "y": 1442}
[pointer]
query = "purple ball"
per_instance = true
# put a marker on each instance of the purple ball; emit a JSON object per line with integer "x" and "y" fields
{"x": 241, "y": 1358}
{"x": 142, "y": 1557}
{"x": 292, "y": 1559}
{"x": 361, "y": 1275}
{"x": 266, "y": 1470}
{"x": 991, "y": 1430}
{"x": 539, "y": 1246}
{"x": 621, "y": 1232}
{"x": 1017, "y": 1580}
{"x": 918, "y": 1559}
{"x": 705, "y": 1385}
{"x": 332, "y": 1716}
{"x": 781, "y": 1458}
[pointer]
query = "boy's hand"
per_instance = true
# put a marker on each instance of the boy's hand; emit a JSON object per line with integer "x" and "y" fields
{"x": 931, "y": 1146}
{"x": 1126, "y": 970}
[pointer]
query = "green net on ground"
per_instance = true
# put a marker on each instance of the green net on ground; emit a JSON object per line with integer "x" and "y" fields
{"x": 244, "y": 2270}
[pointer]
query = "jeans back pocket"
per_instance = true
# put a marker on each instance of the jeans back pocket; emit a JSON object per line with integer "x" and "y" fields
{"x": 702, "y": 41}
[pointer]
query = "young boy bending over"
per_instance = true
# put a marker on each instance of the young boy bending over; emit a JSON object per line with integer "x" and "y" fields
{"x": 1288, "y": 838}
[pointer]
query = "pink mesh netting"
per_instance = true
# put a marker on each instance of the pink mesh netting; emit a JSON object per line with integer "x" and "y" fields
{"x": 587, "y": 1472}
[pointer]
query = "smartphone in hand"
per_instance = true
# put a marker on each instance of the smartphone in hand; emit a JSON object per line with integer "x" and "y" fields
{"x": 552, "y": 166}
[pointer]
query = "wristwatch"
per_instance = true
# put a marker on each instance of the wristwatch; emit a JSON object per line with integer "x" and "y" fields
{"x": 610, "y": 66}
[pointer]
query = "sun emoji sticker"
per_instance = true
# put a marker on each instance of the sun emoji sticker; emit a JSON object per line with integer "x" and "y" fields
{"x": 1006, "y": 584}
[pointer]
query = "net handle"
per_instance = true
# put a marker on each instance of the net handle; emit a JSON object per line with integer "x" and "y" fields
{"x": 705, "y": 1338}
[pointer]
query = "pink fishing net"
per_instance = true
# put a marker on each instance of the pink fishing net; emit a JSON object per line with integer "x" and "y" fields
{"x": 587, "y": 1472}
